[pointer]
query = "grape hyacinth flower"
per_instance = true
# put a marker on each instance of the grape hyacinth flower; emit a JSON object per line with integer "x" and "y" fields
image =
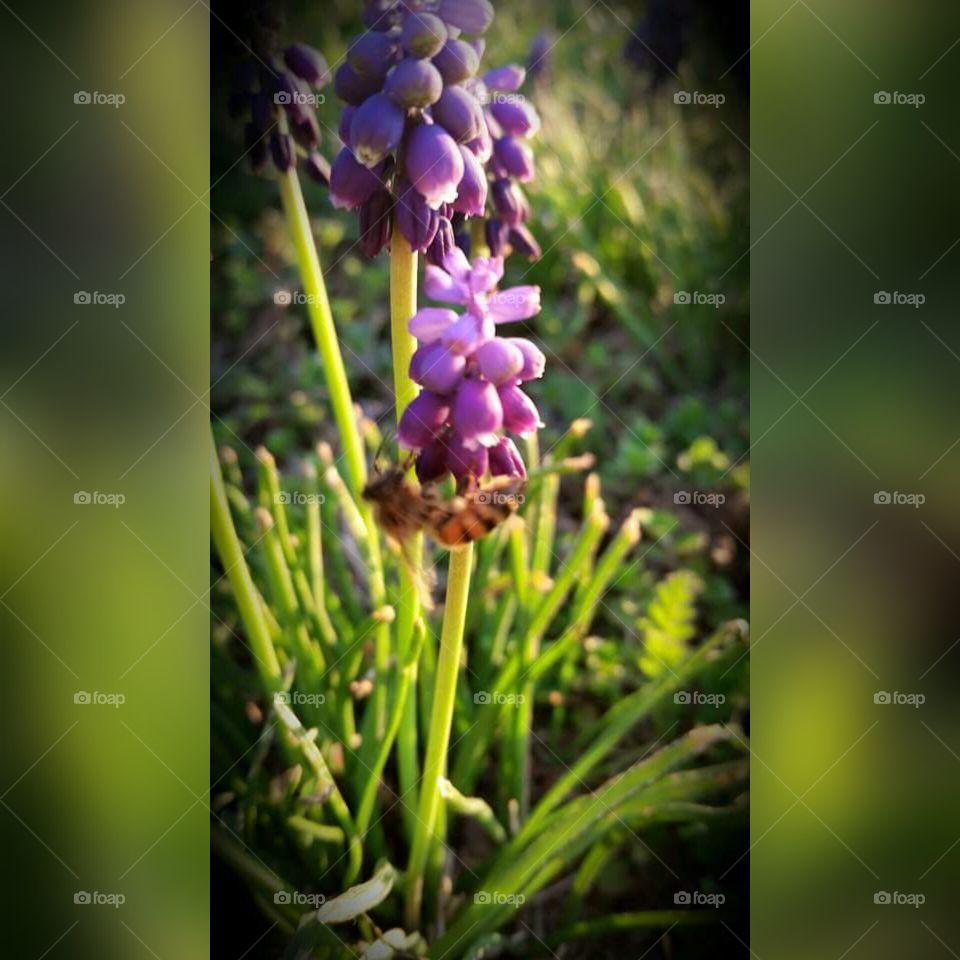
{"x": 471, "y": 377}
{"x": 278, "y": 98}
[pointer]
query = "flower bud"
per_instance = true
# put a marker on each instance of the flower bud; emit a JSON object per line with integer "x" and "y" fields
{"x": 414, "y": 83}
{"x": 515, "y": 157}
{"x": 496, "y": 235}
{"x": 499, "y": 360}
{"x": 351, "y": 183}
{"x": 424, "y": 34}
{"x": 471, "y": 16}
{"x": 343, "y": 131}
{"x": 514, "y": 303}
{"x": 534, "y": 362}
{"x": 283, "y": 151}
{"x": 482, "y": 147}
{"x": 505, "y": 460}
{"x": 371, "y": 54}
{"x": 467, "y": 334}
{"x": 434, "y": 163}
{"x": 524, "y": 242}
{"x": 479, "y": 45}
{"x": 520, "y": 414}
{"x": 379, "y": 15}
{"x": 517, "y": 118}
{"x": 306, "y": 131}
{"x": 422, "y": 420}
{"x": 375, "y": 225}
{"x": 477, "y": 413}
{"x": 417, "y": 221}
{"x": 318, "y": 168}
{"x": 459, "y": 113}
{"x": 352, "y": 87}
{"x": 442, "y": 244}
{"x": 435, "y": 368}
{"x": 308, "y": 64}
{"x": 287, "y": 92}
{"x": 472, "y": 191}
{"x": 507, "y": 79}
{"x": 376, "y": 129}
{"x": 508, "y": 201}
{"x": 457, "y": 61}
{"x": 432, "y": 462}
{"x": 464, "y": 461}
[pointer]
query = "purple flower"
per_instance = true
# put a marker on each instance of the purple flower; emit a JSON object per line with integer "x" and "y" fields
{"x": 472, "y": 191}
{"x": 429, "y": 323}
{"x": 523, "y": 242}
{"x": 375, "y": 223}
{"x": 376, "y": 129}
{"x": 417, "y": 221}
{"x": 520, "y": 415}
{"x": 534, "y": 362}
{"x": 496, "y": 236}
{"x": 371, "y": 54}
{"x": 478, "y": 413}
{"x": 414, "y": 83}
{"x": 459, "y": 113}
{"x": 343, "y": 130}
{"x": 422, "y": 420}
{"x": 434, "y": 164}
{"x": 508, "y": 201}
{"x": 515, "y": 116}
{"x": 443, "y": 243}
{"x": 515, "y": 157}
{"x": 467, "y": 334}
{"x": 507, "y": 79}
{"x": 423, "y": 34}
{"x": 457, "y": 61}
{"x": 505, "y": 460}
{"x": 499, "y": 360}
{"x": 432, "y": 461}
{"x": 308, "y": 64}
{"x": 515, "y": 303}
{"x": 351, "y": 183}
{"x": 283, "y": 151}
{"x": 463, "y": 460}
{"x": 352, "y": 87}
{"x": 437, "y": 369}
{"x": 470, "y": 16}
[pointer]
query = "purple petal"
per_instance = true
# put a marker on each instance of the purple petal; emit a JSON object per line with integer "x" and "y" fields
{"x": 351, "y": 183}
{"x": 482, "y": 147}
{"x": 434, "y": 163}
{"x": 496, "y": 235}
{"x": 353, "y": 88}
{"x": 471, "y": 16}
{"x": 432, "y": 462}
{"x": 422, "y": 420}
{"x": 429, "y": 323}
{"x": 467, "y": 334}
{"x": 516, "y": 116}
{"x": 417, "y": 222}
{"x": 457, "y": 265}
{"x": 459, "y": 113}
{"x": 522, "y": 241}
{"x": 465, "y": 461}
{"x": 283, "y": 151}
{"x": 435, "y": 368}
{"x": 307, "y": 63}
{"x": 423, "y": 34}
{"x": 375, "y": 223}
{"x": 499, "y": 360}
{"x": 457, "y": 61}
{"x": 485, "y": 274}
{"x": 376, "y": 129}
{"x": 439, "y": 285}
{"x": 472, "y": 191}
{"x": 443, "y": 243}
{"x": 478, "y": 413}
{"x": 371, "y": 54}
{"x": 344, "y": 128}
{"x": 507, "y": 79}
{"x": 414, "y": 83}
{"x": 509, "y": 201}
{"x": 520, "y": 414}
{"x": 515, "y": 157}
{"x": 534, "y": 362}
{"x": 514, "y": 303}
{"x": 505, "y": 460}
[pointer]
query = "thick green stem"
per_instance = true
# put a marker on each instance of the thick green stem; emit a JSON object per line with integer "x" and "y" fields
{"x": 403, "y": 305}
{"x": 441, "y": 720}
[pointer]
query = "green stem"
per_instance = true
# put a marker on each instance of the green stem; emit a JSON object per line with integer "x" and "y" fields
{"x": 403, "y": 305}
{"x": 441, "y": 720}
{"x": 238, "y": 573}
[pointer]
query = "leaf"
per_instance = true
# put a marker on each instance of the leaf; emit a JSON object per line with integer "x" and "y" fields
{"x": 669, "y": 624}
{"x": 360, "y": 899}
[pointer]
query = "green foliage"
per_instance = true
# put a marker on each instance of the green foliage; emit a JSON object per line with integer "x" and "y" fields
{"x": 670, "y": 623}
